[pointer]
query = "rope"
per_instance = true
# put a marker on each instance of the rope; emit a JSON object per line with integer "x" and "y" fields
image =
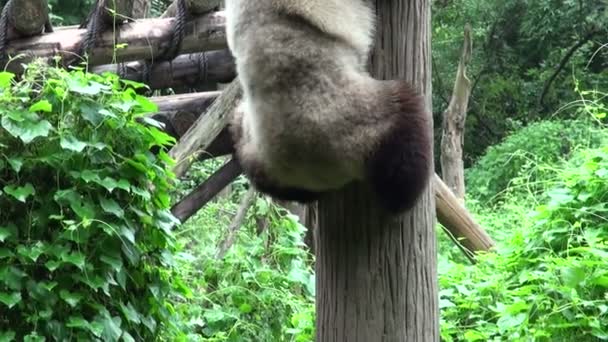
{"x": 179, "y": 32}
{"x": 4, "y": 29}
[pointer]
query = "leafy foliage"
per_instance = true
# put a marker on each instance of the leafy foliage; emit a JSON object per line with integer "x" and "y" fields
{"x": 548, "y": 281}
{"x": 263, "y": 287}
{"x": 517, "y": 47}
{"x": 525, "y": 158}
{"x": 85, "y": 232}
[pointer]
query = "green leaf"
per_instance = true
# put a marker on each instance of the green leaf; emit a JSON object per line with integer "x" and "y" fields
{"x": 20, "y": 193}
{"x": 10, "y": 299}
{"x": 71, "y": 298}
{"x": 6, "y": 253}
{"x": 86, "y": 88}
{"x": 71, "y": 143}
{"x": 115, "y": 263}
{"x": 4, "y": 233}
{"x": 75, "y": 258}
{"x": 111, "y": 207}
{"x": 7, "y": 336}
{"x": 82, "y": 206}
{"x": 90, "y": 112}
{"x": 78, "y": 322}
{"x": 245, "y": 308}
{"x": 572, "y": 276}
{"x": 27, "y": 130}
{"x": 507, "y": 322}
{"x": 6, "y": 79}
{"x": 41, "y": 106}
{"x": 130, "y": 313}
{"x": 16, "y": 163}
{"x": 31, "y": 252}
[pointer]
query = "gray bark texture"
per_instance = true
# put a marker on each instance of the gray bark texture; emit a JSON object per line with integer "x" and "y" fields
{"x": 454, "y": 119}
{"x": 376, "y": 276}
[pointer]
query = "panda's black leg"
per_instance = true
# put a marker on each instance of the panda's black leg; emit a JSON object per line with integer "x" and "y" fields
{"x": 400, "y": 168}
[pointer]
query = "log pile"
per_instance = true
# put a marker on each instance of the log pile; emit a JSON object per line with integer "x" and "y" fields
{"x": 198, "y": 120}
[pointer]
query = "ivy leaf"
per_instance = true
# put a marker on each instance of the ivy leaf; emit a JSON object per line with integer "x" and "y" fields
{"x": 85, "y": 88}
{"x": 130, "y": 313}
{"x": 90, "y": 112}
{"x": 572, "y": 276}
{"x": 110, "y": 206}
{"x": 6, "y": 253}
{"x": 115, "y": 263}
{"x": 4, "y": 233}
{"x": 41, "y": 106}
{"x": 111, "y": 328}
{"x": 10, "y": 299}
{"x": 78, "y": 322}
{"x": 20, "y": 193}
{"x": 509, "y": 321}
{"x": 81, "y": 205}
{"x": 71, "y": 143}
{"x": 5, "y": 81}
{"x": 71, "y": 298}
{"x": 31, "y": 252}
{"x": 75, "y": 258}
{"x": 16, "y": 163}
{"x": 27, "y": 130}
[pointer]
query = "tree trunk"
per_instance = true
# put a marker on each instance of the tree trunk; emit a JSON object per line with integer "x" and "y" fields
{"x": 454, "y": 118}
{"x": 377, "y": 277}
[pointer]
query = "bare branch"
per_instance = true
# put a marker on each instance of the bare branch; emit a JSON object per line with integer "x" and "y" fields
{"x": 237, "y": 222}
{"x": 205, "y": 192}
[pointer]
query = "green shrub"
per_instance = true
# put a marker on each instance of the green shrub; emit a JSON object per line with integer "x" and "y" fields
{"x": 263, "y": 287}
{"x": 521, "y": 154}
{"x": 548, "y": 280}
{"x": 85, "y": 231}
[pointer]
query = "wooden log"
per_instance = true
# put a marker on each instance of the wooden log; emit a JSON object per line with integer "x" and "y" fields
{"x": 205, "y": 192}
{"x": 205, "y": 129}
{"x": 186, "y": 70}
{"x": 142, "y": 39}
{"x": 462, "y": 228}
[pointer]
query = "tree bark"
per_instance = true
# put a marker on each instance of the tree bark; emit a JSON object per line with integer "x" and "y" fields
{"x": 185, "y": 70}
{"x": 143, "y": 39}
{"x": 205, "y": 129}
{"x": 194, "y": 201}
{"x": 454, "y": 118}
{"x": 376, "y": 276}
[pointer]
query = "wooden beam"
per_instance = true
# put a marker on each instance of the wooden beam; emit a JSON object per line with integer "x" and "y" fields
{"x": 461, "y": 227}
{"x": 205, "y": 192}
{"x": 142, "y": 39}
{"x": 186, "y": 70}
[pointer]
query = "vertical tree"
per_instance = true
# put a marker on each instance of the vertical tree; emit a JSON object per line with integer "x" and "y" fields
{"x": 376, "y": 276}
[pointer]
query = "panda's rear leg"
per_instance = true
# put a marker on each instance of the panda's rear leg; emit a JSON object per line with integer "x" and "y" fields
{"x": 253, "y": 168}
{"x": 399, "y": 168}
